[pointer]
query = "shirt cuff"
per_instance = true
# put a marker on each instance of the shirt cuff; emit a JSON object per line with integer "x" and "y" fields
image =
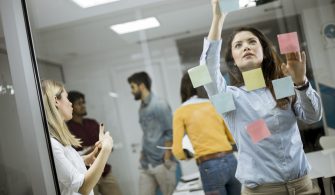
{"x": 305, "y": 94}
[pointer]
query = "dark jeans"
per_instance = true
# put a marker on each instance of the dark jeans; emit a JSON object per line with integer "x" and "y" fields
{"x": 218, "y": 176}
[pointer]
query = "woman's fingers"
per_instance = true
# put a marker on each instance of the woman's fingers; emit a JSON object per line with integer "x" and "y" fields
{"x": 303, "y": 56}
{"x": 101, "y": 131}
{"x": 95, "y": 151}
{"x": 284, "y": 69}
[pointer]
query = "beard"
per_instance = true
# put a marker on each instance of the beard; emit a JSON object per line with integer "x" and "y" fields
{"x": 137, "y": 95}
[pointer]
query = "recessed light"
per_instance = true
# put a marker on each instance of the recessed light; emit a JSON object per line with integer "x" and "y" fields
{"x": 136, "y": 25}
{"x": 92, "y": 3}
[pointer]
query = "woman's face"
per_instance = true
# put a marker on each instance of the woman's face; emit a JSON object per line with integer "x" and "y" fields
{"x": 64, "y": 106}
{"x": 247, "y": 51}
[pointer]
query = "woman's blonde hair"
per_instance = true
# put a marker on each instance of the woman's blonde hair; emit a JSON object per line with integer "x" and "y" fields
{"x": 56, "y": 124}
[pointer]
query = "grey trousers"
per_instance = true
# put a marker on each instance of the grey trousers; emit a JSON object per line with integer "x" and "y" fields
{"x": 300, "y": 186}
{"x": 159, "y": 176}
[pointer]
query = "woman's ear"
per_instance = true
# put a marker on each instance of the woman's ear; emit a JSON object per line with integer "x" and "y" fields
{"x": 56, "y": 102}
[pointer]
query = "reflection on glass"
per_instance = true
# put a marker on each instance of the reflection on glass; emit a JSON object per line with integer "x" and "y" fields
{"x": 14, "y": 175}
{"x": 98, "y": 61}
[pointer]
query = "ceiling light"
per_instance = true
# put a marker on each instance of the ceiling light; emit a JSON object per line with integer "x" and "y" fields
{"x": 113, "y": 94}
{"x": 92, "y": 3}
{"x": 136, "y": 25}
{"x": 247, "y": 3}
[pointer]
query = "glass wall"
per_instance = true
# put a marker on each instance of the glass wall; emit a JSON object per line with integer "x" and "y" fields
{"x": 14, "y": 178}
{"x": 89, "y": 56}
{"x": 25, "y": 164}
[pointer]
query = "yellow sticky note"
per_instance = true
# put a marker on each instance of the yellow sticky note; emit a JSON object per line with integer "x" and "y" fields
{"x": 199, "y": 75}
{"x": 253, "y": 79}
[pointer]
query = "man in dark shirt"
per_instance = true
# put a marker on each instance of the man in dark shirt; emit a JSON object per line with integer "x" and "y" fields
{"x": 88, "y": 131}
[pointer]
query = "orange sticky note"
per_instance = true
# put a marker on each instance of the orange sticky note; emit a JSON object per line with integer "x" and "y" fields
{"x": 258, "y": 130}
{"x": 288, "y": 42}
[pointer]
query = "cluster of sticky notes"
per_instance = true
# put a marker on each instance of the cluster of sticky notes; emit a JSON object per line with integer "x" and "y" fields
{"x": 223, "y": 102}
{"x": 288, "y": 42}
{"x": 258, "y": 130}
{"x": 283, "y": 87}
{"x": 227, "y": 6}
{"x": 253, "y": 79}
{"x": 199, "y": 76}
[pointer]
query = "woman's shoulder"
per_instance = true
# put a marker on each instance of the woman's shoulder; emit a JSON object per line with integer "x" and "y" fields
{"x": 55, "y": 143}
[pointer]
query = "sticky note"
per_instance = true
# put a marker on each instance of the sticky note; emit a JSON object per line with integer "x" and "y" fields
{"x": 288, "y": 42}
{"x": 227, "y": 6}
{"x": 258, "y": 130}
{"x": 283, "y": 87}
{"x": 253, "y": 79}
{"x": 199, "y": 75}
{"x": 223, "y": 102}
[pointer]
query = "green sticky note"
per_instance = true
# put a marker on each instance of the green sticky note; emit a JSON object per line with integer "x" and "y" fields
{"x": 253, "y": 79}
{"x": 223, "y": 102}
{"x": 283, "y": 87}
{"x": 199, "y": 75}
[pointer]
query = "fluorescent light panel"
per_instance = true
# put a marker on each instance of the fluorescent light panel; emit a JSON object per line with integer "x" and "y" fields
{"x": 91, "y": 3}
{"x": 136, "y": 25}
{"x": 247, "y": 3}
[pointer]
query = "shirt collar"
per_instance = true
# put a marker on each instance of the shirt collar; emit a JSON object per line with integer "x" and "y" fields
{"x": 147, "y": 100}
{"x": 195, "y": 100}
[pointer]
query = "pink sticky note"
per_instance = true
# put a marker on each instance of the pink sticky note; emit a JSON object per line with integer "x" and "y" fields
{"x": 288, "y": 42}
{"x": 258, "y": 130}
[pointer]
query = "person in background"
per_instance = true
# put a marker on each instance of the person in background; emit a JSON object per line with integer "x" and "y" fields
{"x": 87, "y": 130}
{"x": 210, "y": 138}
{"x": 158, "y": 166}
{"x": 277, "y": 164}
{"x": 73, "y": 177}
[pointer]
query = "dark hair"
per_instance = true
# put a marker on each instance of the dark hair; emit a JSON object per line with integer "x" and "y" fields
{"x": 74, "y": 96}
{"x": 140, "y": 77}
{"x": 187, "y": 90}
{"x": 271, "y": 64}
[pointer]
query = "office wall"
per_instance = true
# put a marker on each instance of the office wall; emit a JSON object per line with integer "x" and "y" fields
{"x": 321, "y": 51}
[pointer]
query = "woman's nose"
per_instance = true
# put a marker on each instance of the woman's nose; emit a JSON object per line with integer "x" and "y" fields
{"x": 246, "y": 47}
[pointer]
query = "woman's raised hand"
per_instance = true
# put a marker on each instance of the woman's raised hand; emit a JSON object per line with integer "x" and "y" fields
{"x": 216, "y": 9}
{"x": 295, "y": 67}
{"x": 101, "y": 131}
{"x": 105, "y": 140}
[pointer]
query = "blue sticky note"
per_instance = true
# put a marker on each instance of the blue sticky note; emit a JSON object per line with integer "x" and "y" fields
{"x": 227, "y": 6}
{"x": 283, "y": 87}
{"x": 199, "y": 75}
{"x": 223, "y": 102}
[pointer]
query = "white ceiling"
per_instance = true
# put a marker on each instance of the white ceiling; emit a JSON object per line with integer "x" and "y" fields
{"x": 63, "y": 29}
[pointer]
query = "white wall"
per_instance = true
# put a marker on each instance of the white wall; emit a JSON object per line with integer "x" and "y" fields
{"x": 322, "y": 53}
{"x": 92, "y": 75}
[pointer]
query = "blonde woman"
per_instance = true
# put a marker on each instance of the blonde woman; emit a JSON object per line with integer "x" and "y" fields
{"x": 73, "y": 177}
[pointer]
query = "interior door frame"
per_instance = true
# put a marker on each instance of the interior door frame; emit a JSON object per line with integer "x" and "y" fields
{"x": 24, "y": 73}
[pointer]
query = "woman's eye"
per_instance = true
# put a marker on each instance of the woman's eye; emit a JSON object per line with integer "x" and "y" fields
{"x": 237, "y": 45}
{"x": 253, "y": 41}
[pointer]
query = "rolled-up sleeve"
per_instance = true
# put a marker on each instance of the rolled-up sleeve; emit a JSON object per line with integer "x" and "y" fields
{"x": 165, "y": 117}
{"x": 211, "y": 58}
{"x": 308, "y": 105}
